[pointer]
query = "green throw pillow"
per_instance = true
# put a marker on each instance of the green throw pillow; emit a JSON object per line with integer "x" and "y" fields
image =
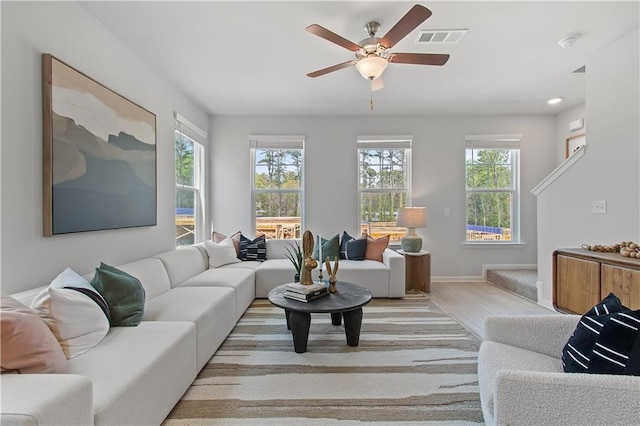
{"x": 123, "y": 293}
{"x": 330, "y": 248}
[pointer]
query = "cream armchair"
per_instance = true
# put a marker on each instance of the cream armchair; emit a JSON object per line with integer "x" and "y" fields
{"x": 521, "y": 379}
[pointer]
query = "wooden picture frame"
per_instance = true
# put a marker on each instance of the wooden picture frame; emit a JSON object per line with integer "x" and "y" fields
{"x": 99, "y": 155}
{"x": 574, "y": 143}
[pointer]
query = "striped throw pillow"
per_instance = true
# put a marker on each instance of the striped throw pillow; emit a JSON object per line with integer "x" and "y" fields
{"x": 606, "y": 341}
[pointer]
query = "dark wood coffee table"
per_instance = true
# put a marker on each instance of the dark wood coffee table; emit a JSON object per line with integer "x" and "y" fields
{"x": 346, "y": 303}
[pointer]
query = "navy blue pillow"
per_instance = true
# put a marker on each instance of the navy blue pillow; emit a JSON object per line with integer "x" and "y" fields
{"x": 356, "y": 249}
{"x": 253, "y": 249}
{"x": 606, "y": 341}
{"x": 343, "y": 244}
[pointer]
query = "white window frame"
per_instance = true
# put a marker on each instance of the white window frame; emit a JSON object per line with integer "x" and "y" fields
{"x": 498, "y": 141}
{"x": 199, "y": 138}
{"x": 289, "y": 142}
{"x": 385, "y": 142}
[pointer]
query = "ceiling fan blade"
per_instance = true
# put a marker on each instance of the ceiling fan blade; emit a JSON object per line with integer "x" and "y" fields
{"x": 419, "y": 58}
{"x": 414, "y": 17}
{"x": 332, "y": 37}
{"x": 330, "y": 69}
{"x": 377, "y": 84}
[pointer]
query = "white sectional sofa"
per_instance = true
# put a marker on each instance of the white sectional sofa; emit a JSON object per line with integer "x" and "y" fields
{"x": 135, "y": 375}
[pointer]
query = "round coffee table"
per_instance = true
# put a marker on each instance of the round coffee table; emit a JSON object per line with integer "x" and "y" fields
{"x": 346, "y": 303}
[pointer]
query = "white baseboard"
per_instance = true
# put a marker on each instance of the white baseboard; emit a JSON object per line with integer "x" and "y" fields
{"x": 506, "y": 266}
{"x": 457, "y": 279}
{"x": 542, "y": 301}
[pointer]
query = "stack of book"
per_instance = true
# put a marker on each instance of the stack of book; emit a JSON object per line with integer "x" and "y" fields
{"x": 305, "y": 293}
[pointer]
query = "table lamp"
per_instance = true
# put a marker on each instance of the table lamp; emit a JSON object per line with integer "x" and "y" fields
{"x": 412, "y": 218}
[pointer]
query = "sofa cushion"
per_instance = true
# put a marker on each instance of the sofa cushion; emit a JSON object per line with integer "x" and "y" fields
{"x": 27, "y": 399}
{"x": 76, "y": 320}
{"x": 152, "y": 275}
{"x": 277, "y": 249}
{"x": 139, "y": 373}
{"x": 375, "y": 247}
{"x": 604, "y": 340}
{"x": 356, "y": 249}
{"x": 217, "y": 237}
{"x": 273, "y": 273}
{"x": 253, "y": 249}
{"x": 494, "y": 357}
{"x": 343, "y": 244}
{"x": 366, "y": 273}
{"x": 242, "y": 281}
{"x": 247, "y": 264}
{"x": 71, "y": 279}
{"x": 28, "y": 345}
{"x": 330, "y": 248}
{"x": 124, "y": 295}
{"x": 183, "y": 263}
{"x": 211, "y": 309}
{"x": 221, "y": 254}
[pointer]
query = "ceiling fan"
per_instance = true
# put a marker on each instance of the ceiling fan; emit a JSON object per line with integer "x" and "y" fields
{"x": 373, "y": 55}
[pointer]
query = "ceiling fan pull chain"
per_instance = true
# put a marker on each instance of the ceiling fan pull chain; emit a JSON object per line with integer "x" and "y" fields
{"x": 371, "y": 90}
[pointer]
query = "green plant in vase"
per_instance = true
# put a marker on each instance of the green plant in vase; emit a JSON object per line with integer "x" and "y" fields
{"x": 294, "y": 254}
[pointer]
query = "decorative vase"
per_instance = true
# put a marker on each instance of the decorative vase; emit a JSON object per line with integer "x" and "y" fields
{"x": 296, "y": 278}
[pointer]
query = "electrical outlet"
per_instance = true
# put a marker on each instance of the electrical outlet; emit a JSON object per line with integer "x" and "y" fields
{"x": 447, "y": 211}
{"x": 599, "y": 207}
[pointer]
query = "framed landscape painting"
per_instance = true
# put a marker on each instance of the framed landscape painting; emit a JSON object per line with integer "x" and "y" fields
{"x": 99, "y": 155}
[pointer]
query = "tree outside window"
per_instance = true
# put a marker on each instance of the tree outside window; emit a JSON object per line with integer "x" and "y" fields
{"x": 384, "y": 178}
{"x": 492, "y": 193}
{"x": 277, "y": 189}
{"x": 189, "y": 170}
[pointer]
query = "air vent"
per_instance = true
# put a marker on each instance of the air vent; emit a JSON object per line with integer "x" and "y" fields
{"x": 582, "y": 69}
{"x": 440, "y": 36}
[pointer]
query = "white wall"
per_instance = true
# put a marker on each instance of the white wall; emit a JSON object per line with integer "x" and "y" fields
{"x": 563, "y": 120}
{"x": 438, "y": 176}
{"x": 68, "y": 32}
{"x": 609, "y": 169}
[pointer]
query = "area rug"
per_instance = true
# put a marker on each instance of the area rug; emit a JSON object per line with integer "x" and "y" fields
{"x": 414, "y": 365}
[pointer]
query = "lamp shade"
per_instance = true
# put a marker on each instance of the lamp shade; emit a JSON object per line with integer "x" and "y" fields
{"x": 371, "y": 67}
{"x": 412, "y": 217}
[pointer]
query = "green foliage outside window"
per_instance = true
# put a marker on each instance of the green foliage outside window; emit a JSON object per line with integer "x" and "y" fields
{"x": 383, "y": 184}
{"x": 489, "y": 187}
{"x": 278, "y": 182}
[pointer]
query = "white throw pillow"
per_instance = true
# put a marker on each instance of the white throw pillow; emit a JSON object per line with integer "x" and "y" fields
{"x": 222, "y": 253}
{"x": 76, "y": 319}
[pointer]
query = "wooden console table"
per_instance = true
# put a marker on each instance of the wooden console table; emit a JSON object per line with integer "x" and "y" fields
{"x": 417, "y": 271}
{"x": 581, "y": 278}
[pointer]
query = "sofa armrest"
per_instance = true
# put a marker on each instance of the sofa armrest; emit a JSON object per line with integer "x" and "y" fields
{"x": 545, "y": 334}
{"x": 46, "y": 399}
{"x": 524, "y": 397}
{"x": 395, "y": 262}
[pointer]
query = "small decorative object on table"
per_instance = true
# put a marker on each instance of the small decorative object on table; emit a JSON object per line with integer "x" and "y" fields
{"x": 305, "y": 293}
{"x": 332, "y": 275}
{"x": 309, "y": 262}
{"x": 294, "y": 254}
{"x": 625, "y": 248}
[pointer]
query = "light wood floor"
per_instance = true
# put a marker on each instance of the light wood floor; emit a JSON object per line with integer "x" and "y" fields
{"x": 471, "y": 302}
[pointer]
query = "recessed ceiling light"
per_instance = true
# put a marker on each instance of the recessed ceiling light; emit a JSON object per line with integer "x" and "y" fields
{"x": 554, "y": 101}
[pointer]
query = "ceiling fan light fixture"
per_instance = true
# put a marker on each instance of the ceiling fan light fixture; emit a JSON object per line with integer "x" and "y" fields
{"x": 371, "y": 67}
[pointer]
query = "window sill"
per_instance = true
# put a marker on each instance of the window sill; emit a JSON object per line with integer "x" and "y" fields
{"x": 491, "y": 244}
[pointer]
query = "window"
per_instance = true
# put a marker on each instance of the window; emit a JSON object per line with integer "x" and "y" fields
{"x": 493, "y": 188}
{"x": 277, "y": 185}
{"x": 384, "y": 165}
{"x": 189, "y": 182}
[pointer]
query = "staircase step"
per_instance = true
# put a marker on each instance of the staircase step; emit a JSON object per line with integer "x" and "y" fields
{"x": 519, "y": 281}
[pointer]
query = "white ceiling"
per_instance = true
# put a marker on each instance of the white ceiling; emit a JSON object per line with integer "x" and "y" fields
{"x": 239, "y": 57}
